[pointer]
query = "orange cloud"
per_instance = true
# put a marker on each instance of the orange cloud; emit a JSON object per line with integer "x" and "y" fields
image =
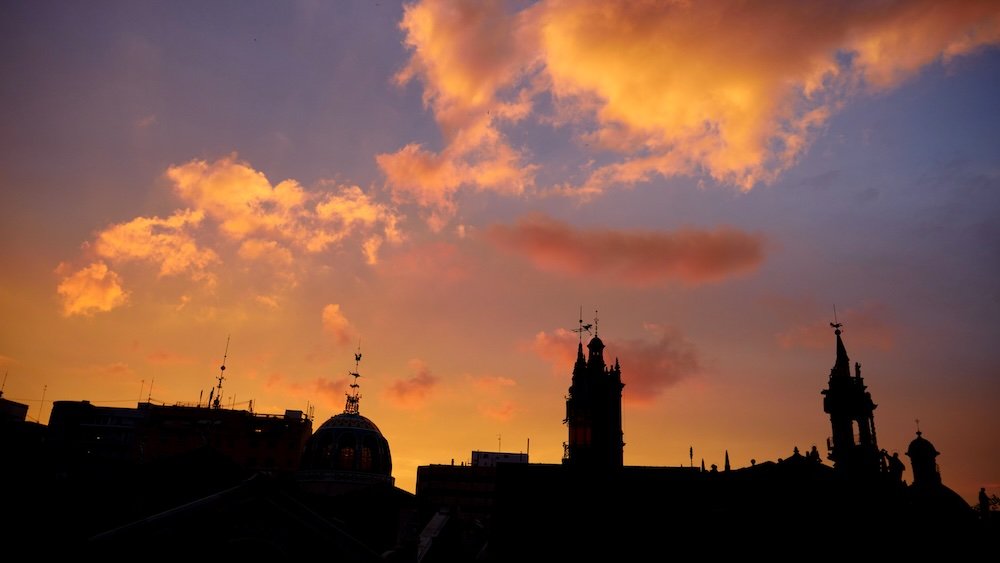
{"x": 92, "y": 289}
{"x": 631, "y": 257}
{"x": 245, "y": 205}
{"x": 413, "y": 391}
{"x": 229, "y": 205}
{"x": 649, "y": 365}
{"x": 868, "y": 325}
{"x": 166, "y": 242}
{"x": 737, "y": 91}
{"x": 464, "y": 53}
{"x": 336, "y": 325}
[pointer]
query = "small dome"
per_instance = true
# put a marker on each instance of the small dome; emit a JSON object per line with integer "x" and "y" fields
{"x": 596, "y": 343}
{"x": 921, "y": 448}
{"x": 347, "y": 448}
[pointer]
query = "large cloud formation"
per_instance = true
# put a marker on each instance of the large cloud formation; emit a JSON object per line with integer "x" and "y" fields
{"x": 631, "y": 257}
{"x": 734, "y": 90}
{"x": 228, "y": 204}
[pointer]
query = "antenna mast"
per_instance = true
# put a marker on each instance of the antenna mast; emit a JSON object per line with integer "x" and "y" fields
{"x": 222, "y": 370}
{"x": 353, "y": 398}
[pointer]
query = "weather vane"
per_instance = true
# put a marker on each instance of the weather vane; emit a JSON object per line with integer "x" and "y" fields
{"x": 583, "y": 327}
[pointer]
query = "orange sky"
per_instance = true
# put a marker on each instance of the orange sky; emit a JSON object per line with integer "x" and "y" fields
{"x": 448, "y": 182}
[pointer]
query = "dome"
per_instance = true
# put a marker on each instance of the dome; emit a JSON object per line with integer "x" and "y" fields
{"x": 347, "y": 448}
{"x": 921, "y": 448}
{"x": 596, "y": 344}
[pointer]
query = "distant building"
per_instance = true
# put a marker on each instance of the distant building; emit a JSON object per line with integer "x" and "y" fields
{"x": 12, "y": 411}
{"x": 83, "y": 433}
{"x": 490, "y": 459}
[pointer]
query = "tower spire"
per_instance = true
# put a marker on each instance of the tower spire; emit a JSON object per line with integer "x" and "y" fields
{"x": 354, "y": 397}
{"x": 842, "y": 365}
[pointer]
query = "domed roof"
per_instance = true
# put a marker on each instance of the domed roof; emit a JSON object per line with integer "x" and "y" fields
{"x": 350, "y": 448}
{"x": 596, "y": 342}
{"x": 347, "y": 420}
{"x": 921, "y": 448}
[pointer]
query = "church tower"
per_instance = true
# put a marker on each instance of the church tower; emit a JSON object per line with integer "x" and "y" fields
{"x": 853, "y": 447}
{"x": 594, "y": 408}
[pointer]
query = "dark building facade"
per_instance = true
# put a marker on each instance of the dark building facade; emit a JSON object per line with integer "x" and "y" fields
{"x": 81, "y": 433}
{"x": 853, "y": 446}
{"x": 594, "y": 411}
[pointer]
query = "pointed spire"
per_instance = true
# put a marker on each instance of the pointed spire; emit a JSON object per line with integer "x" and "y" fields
{"x": 727, "y": 460}
{"x": 842, "y": 366}
{"x": 702, "y": 465}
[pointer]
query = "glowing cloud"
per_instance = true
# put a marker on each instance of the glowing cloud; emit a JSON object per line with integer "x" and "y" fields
{"x": 336, "y": 325}
{"x": 230, "y": 206}
{"x": 649, "y": 365}
{"x": 735, "y": 90}
{"x": 166, "y": 242}
{"x": 244, "y": 204}
{"x": 413, "y": 391}
{"x": 631, "y": 257}
{"x": 92, "y": 289}
{"x": 464, "y": 53}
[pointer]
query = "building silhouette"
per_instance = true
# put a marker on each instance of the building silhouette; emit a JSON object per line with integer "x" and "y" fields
{"x": 592, "y": 503}
{"x": 348, "y": 450}
{"x": 208, "y": 481}
{"x": 853, "y": 445}
{"x": 594, "y": 410}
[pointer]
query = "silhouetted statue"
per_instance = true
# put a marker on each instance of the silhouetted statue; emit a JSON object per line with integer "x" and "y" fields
{"x": 984, "y": 502}
{"x": 896, "y": 468}
{"x": 715, "y": 468}
{"x": 857, "y": 369}
{"x": 814, "y": 454}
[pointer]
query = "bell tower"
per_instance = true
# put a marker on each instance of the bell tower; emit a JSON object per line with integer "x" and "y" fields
{"x": 853, "y": 447}
{"x": 594, "y": 408}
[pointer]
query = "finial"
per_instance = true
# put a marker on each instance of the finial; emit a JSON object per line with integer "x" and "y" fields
{"x": 836, "y": 324}
{"x": 595, "y": 322}
{"x": 217, "y": 403}
{"x": 354, "y": 398}
{"x": 917, "y": 420}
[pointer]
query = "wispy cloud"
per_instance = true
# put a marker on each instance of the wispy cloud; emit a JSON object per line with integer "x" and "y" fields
{"x": 632, "y": 257}
{"x": 412, "y": 392}
{"x": 336, "y": 325}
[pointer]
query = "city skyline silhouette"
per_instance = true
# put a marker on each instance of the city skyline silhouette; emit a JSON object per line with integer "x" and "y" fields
{"x": 448, "y": 182}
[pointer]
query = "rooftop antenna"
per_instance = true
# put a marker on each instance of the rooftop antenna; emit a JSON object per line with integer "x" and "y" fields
{"x": 42, "y": 404}
{"x": 582, "y": 327}
{"x": 4, "y": 384}
{"x": 149, "y": 397}
{"x": 353, "y": 398}
{"x": 222, "y": 370}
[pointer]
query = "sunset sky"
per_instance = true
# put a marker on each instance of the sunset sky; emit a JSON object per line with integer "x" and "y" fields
{"x": 449, "y": 182}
